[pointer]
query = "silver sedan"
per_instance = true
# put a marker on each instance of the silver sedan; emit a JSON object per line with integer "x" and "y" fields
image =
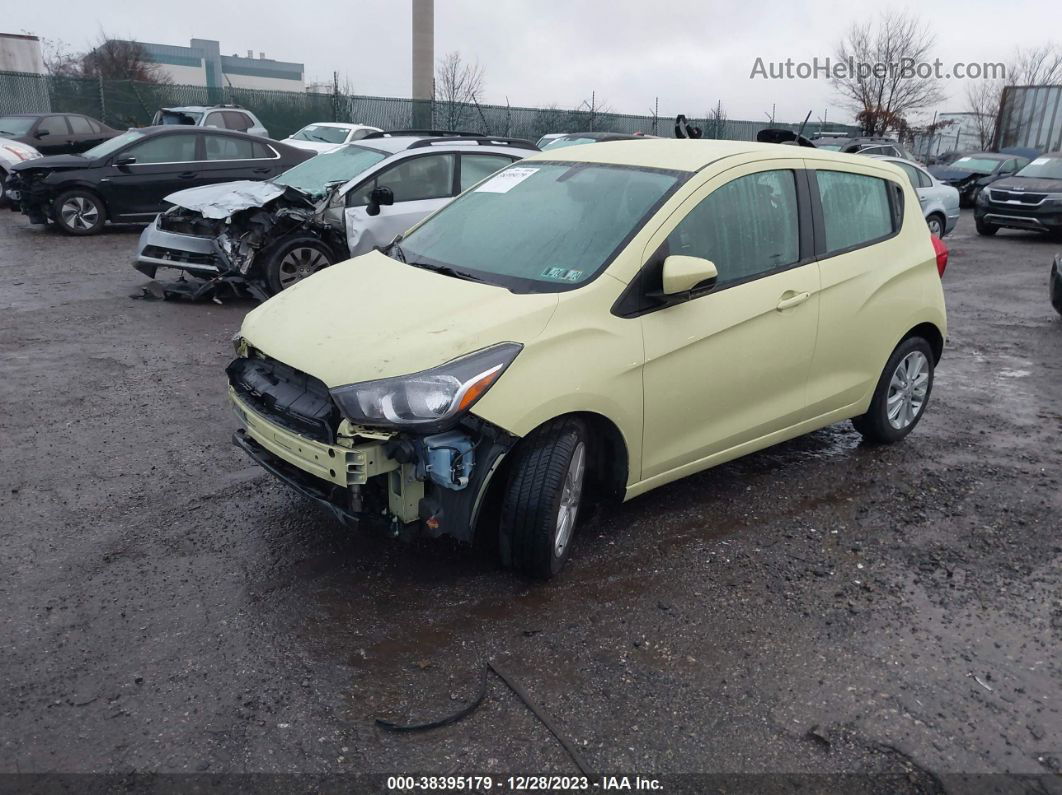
{"x": 940, "y": 202}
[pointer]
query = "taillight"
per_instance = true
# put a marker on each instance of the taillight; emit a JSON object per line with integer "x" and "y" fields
{"x": 942, "y": 254}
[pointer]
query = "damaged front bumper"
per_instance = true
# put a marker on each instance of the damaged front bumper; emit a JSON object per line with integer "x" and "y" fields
{"x": 436, "y": 484}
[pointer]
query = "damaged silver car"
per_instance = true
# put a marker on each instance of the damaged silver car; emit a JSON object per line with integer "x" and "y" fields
{"x": 262, "y": 237}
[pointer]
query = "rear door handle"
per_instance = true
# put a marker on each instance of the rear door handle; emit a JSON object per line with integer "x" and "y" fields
{"x": 187, "y": 175}
{"x": 794, "y": 299}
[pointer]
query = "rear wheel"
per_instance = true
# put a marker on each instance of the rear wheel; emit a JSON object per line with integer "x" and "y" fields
{"x": 543, "y": 495}
{"x": 935, "y": 222}
{"x": 294, "y": 260}
{"x": 985, "y": 228}
{"x": 80, "y": 212}
{"x": 901, "y": 395}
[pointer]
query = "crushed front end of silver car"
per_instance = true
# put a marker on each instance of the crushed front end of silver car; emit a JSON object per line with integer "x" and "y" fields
{"x": 222, "y": 236}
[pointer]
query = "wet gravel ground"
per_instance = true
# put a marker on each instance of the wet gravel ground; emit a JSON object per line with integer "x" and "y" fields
{"x": 823, "y": 606}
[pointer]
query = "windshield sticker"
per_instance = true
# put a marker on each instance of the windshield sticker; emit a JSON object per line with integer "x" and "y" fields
{"x": 1040, "y": 161}
{"x": 562, "y": 274}
{"x": 506, "y": 180}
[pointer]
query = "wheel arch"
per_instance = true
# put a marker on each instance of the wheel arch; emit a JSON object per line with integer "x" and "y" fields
{"x": 931, "y": 334}
{"x": 610, "y": 465}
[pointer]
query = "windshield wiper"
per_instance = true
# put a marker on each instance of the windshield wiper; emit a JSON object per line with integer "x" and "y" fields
{"x": 445, "y": 270}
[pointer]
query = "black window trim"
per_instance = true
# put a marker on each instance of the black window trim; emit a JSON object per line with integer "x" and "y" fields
{"x": 637, "y": 300}
{"x": 894, "y": 192}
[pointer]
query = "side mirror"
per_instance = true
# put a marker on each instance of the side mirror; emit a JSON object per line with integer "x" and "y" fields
{"x": 125, "y": 160}
{"x": 681, "y": 274}
{"x": 41, "y": 133}
{"x": 380, "y": 196}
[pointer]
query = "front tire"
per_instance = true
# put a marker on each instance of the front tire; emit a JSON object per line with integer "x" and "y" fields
{"x": 80, "y": 212}
{"x": 901, "y": 395}
{"x": 540, "y": 508}
{"x": 294, "y": 260}
{"x": 985, "y": 228}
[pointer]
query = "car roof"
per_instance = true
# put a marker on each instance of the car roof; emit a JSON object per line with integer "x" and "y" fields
{"x": 687, "y": 154}
{"x": 894, "y": 159}
{"x": 990, "y": 155}
{"x": 341, "y": 124}
{"x": 201, "y": 108}
{"x": 400, "y": 143}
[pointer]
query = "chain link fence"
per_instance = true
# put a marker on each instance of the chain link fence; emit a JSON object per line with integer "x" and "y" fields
{"x": 126, "y": 103}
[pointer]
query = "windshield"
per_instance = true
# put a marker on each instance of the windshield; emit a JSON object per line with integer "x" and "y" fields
{"x": 980, "y": 165}
{"x": 313, "y": 176}
{"x": 16, "y": 125}
{"x": 321, "y": 134}
{"x": 113, "y": 144}
{"x": 1043, "y": 168}
{"x": 562, "y": 223}
{"x": 567, "y": 140}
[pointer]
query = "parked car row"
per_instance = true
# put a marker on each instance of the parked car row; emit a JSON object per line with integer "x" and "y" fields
{"x": 127, "y": 177}
{"x": 267, "y": 236}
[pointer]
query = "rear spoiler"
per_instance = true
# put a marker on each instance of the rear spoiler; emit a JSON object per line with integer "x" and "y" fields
{"x": 777, "y": 135}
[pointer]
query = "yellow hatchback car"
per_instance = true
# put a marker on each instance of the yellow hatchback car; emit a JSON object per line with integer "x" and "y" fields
{"x": 591, "y": 323}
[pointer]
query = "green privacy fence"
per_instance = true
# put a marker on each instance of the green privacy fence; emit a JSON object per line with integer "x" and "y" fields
{"x": 127, "y": 103}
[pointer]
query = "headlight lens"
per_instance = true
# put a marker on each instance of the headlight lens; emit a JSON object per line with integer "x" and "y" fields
{"x": 430, "y": 398}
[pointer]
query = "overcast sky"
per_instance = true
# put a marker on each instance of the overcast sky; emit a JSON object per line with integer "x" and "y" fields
{"x": 689, "y": 53}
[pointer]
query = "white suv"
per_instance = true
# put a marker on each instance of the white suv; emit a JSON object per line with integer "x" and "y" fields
{"x": 223, "y": 117}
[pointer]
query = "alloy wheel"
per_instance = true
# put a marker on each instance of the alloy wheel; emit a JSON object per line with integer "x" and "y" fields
{"x": 79, "y": 213}
{"x": 571, "y": 492}
{"x": 299, "y": 263}
{"x": 935, "y": 227}
{"x": 907, "y": 390}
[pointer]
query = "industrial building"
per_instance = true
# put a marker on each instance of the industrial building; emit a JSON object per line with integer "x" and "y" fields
{"x": 202, "y": 64}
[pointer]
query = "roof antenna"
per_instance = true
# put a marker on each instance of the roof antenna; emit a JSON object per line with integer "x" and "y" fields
{"x": 800, "y": 132}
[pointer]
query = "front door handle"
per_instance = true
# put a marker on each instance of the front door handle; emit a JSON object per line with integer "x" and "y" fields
{"x": 187, "y": 175}
{"x": 791, "y": 299}
{"x": 261, "y": 170}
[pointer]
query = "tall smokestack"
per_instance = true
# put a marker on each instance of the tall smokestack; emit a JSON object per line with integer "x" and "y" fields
{"x": 423, "y": 61}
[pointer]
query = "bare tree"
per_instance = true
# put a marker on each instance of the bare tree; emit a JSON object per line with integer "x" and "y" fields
{"x": 111, "y": 59}
{"x": 877, "y": 88}
{"x": 119, "y": 59}
{"x": 715, "y": 122}
{"x": 1033, "y": 66}
{"x": 59, "y": 59}
{"x": 457, "y": 84}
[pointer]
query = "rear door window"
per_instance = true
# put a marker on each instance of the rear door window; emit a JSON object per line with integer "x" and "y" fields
{"x": 235, "y": 120}
{"x": 855, "y": 209}
{"x": 215, "y": 119}
{"x": 225, "y": 147}
{"x": 79, "y": 125}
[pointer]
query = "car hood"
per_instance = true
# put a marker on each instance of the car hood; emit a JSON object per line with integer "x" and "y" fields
{"x": 1031, "y": 184}
{"x": 56, "y": 162}
{"x": 374, "y": 317}
{"x": 949, "y": 174}
{"x": 311, "y": 146}
{"x": 225, "y": 198}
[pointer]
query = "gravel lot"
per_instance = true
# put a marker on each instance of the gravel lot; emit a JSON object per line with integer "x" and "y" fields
{"x": 823, "y": 606}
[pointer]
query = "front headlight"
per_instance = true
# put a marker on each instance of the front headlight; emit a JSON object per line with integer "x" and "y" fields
{"x": 432, "y": 397}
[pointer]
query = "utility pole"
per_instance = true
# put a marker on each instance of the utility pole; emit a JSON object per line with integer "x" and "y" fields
{"x": 423, "y": 92}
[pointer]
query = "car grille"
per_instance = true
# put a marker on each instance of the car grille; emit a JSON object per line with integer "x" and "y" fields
{"x": 180, "y": 257}
{"x": 286, "y": 396}
{"x": 1013, "y": 196}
